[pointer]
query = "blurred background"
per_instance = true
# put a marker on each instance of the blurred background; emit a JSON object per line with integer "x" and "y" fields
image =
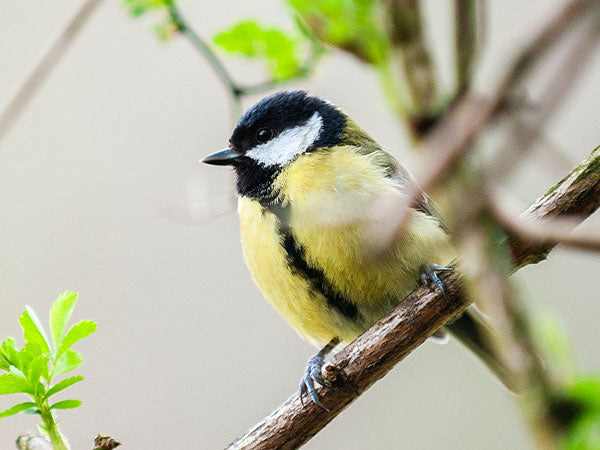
{"x": 102, "y": 193}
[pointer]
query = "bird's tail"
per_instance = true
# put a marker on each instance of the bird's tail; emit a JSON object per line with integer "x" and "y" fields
{"x": 472, "y": 330}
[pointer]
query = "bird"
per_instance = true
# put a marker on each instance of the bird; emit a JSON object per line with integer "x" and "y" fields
{"x": 313, "y": 190}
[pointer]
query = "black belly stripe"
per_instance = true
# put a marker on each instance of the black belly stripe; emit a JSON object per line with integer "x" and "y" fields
{"x": 316, "y": 277}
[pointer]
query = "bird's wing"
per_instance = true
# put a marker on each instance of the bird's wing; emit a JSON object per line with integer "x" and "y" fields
{"x": 407, "y": 182}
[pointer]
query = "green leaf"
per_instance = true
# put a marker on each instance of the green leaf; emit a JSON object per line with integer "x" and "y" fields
{"x": 586, "y": 391}
{"x": 70, "y": 360}
{"x": 13, "y": 383}
{"x": 138, "y": 7}
{"x": 17, "y": 409}
{"x": 584, "y": 434}
{"x": 282, "y": 53}
{"x": 32, "y": 411}
{"x": 33, "y": 331}
{"x": 241, "y": 38}
{"x": 27, "y": 354}
{"x": 63, "y": 385}
{"x": 276, "y": 47}
{"x": 37, "y": 369}
{"x": 66, "y": 404}
{"x": 9, "y": 351}
{"x": 351, "y": 25}
{"x": 60, "y": 313}
{"x": 78, "y": 331}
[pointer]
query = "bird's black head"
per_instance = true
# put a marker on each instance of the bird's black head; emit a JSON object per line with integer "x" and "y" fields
{"x": 274, "y": 132}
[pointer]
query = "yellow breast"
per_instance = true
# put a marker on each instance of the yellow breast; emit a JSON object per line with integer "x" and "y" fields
{"x": 329, "y": 199}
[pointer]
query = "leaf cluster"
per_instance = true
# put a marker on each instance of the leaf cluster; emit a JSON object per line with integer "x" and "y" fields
{"x": 350, "y": 25}
{"x": 31, "y": 370}
{"x": 280, "y": 49}
{"x": 576, "y": 406}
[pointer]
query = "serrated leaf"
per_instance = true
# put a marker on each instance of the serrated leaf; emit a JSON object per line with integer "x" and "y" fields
{"x": 10, "y": 351}
{"x": 27, "y": 354}
{"x": 66, "y": 404}
{"x": 60, "y": 313}
{"x": 63, "y": 385}
{"x": 70, "y": 360}
{"x": 37, "y": 369}
{"x": 13, "y": 383}
{"x": 33, "y": 331}
{"x": 276, "y": 47}
{"x": 17, "y": 409}
{"x": 240, "y": 38}
{"x": 77, "y": 332}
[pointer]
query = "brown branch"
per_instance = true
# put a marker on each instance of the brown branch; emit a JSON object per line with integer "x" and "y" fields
{"x": 466, "y": 42}
{"x": 49, "y": 58}
{"x": 372, "y": 355}
{"x": 546, "y": 232}
{"x": 453, "y": 137}
{"x": 408, "y": 39}
{"x": 577, "y": 196}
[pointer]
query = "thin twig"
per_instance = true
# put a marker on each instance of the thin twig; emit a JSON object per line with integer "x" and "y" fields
{"x": 236, "y": 90}
{"x": 47, "y": 60}
{"x": 514, "y": 343}
{"x": 466, "y": 42}
{"x": 409, "y": 42}
{"x": 529, "y": 127}
{"x": 373, "y": 354}
{"x": 215, "y": 63}
{"x": 457, "y": 132}
{"x": 555, "y": 231}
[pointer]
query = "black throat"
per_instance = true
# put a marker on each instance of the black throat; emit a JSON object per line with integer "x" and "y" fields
{"x": 256, "y": 181}
{"x": 278, "y": 113}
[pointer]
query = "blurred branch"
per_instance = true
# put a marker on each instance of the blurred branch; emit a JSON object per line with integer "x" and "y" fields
{"x": 213, "y": 60}
{"x": 466, "y": 41}
{"x": 235, "y": 90}
{"x": 515, "y": 345}
{"x": 373, "y": 354}
{"x": 457, "y": 132}
{"x": 407, "y": 37}
{"x": 530, "y": 126}
{"x": 575, "y": 196}
{"x": 45, "y": 63}
{"x": 548, "y": 232}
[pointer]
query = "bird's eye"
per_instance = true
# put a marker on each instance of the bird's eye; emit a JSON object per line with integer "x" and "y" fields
{"x": 264, "y": 134}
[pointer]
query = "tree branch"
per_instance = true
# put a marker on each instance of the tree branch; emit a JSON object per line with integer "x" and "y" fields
{"x": 466, "y": 39}
{"x": 236, "y": 90}
{"x": 373, "y": 354}
{"x": 48, "y": 59}
{"x": 408, "y": 40}
{"x": 456, "y": 133}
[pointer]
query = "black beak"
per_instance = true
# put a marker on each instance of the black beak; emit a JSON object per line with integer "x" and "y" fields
{"x": 225, "y": 157}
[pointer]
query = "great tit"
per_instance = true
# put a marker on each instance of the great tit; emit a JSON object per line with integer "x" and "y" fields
{"x": 313, "y": 191}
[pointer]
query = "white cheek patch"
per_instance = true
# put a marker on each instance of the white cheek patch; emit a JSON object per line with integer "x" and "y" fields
{"x": 288, "y": 144}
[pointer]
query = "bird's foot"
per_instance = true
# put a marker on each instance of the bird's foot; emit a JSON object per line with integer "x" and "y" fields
{"x": 312, "y": 375}
{"x": 430, "y": 278}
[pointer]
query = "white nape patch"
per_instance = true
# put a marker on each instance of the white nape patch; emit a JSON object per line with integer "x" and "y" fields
{"x": 288, "y": 144}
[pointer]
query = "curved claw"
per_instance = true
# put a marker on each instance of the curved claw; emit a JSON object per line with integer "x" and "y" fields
{"x": 429, "y": 275}
{"x": 312, "y": 375}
